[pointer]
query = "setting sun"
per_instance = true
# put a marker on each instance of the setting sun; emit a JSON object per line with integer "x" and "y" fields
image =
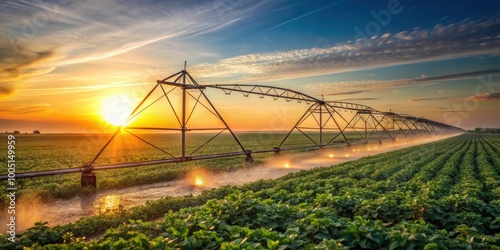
{"x": 116, "y": 109}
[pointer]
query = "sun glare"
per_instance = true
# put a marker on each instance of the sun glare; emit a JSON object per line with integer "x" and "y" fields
{"x": 108, "y": 204}
{"x": 116, "y": 109}
{"x": 198, "y": 181}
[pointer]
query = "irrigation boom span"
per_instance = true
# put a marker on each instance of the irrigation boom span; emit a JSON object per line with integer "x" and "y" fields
{"x": 367, "y": 123}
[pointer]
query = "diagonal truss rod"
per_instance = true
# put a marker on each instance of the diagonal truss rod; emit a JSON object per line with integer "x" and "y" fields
{"x": 262, "y": 90}
{"x": 349, "y": 106}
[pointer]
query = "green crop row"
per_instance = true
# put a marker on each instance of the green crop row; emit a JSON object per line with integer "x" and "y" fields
{"x": 442, "y": 195}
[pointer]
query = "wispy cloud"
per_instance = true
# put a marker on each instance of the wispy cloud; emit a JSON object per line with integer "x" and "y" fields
{"x": 357, "y": 87}
{"x": 113, "y": 52}
{"x": 495, "y": 96}
{"x": 464, "y": 75}
{"x": 6, "y": 89}
{"x": 17, "y": 66}
{"x": 470, "y": 37}
{"x": 40, "y": 37}
{"x": 359, "y": 99}
{"x": 348, "y": 92}
{"x": 306, "y": 14}
{"x": 431, "y": 99}
{"x": 72, "y": 90}
{"x": 37, "y": 108}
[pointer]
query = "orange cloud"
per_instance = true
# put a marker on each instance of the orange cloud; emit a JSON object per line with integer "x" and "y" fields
{"x": 486, "y": 97}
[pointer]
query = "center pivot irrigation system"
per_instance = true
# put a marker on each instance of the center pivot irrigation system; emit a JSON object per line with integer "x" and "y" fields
{"x": 322, "y": 117}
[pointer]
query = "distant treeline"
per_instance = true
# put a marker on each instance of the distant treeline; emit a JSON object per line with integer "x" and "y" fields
{"x": 487, "y": 130}
{"x": 16, "y": 132}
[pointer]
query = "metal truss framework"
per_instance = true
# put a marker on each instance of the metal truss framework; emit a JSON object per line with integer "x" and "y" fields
{"x": 367, "y": 123}
{"x": 375, "y": 124}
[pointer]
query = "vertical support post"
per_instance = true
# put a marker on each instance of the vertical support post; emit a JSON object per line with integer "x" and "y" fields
{"x": 321, "y": 125}
{"x": 394, "y": 127}
{"x": 88, "y": 179}
{"x": 249, "y": 158}
{"x": 276, "y": 152}
{"x": 392, "y": 121}
{"x": 366, "y": 131}
{"x": 183, "y": 131}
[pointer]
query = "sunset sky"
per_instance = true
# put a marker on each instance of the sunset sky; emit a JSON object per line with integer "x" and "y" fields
{"x": 63, "y": 62}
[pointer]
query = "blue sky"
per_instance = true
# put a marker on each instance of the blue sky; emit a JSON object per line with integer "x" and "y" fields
{"x": 61, "y": 59}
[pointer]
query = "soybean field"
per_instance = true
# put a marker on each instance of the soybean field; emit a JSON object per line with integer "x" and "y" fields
{"x": 441, "y": 195}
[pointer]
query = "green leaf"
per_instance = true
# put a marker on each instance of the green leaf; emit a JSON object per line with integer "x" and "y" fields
{"x": 394, "y": 245}
{"x": 273, "y": 244}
